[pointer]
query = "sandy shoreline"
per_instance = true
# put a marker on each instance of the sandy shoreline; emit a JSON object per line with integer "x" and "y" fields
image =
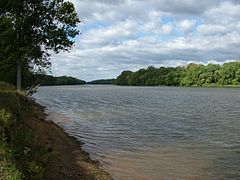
{"x": 69, "y": 160}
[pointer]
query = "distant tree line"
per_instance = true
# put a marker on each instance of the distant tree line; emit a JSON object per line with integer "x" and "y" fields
{"x": 48, "y": 80}
{"x": 192, "y": 75}
{"x": 102, "y": 81}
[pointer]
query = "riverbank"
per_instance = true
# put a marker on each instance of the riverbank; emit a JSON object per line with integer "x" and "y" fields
{"x": 70, "y": 161}
{"x": 33, "y": 148}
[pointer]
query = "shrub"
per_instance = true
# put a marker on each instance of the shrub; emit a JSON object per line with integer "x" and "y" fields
{"x": 6, "y": 86}
{"x": 6, "y": 119}
{"x": 10, "y": 101}
{"x": 35, "y": 170}
{"x": 6, "y": 122}
{"x": 8, "y": 170}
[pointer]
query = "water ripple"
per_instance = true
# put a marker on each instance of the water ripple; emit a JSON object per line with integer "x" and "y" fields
{"x": 153, "y": 132}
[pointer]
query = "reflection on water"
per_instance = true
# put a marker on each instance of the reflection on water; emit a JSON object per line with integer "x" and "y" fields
{"x": 153, "y": 132}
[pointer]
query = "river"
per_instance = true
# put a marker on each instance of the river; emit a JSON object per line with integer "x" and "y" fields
{"x": 153, "y": 133}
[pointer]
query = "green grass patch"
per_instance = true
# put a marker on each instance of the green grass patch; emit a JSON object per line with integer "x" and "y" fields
{"x": 6, "y": 86}
{"x": 18, "y": 158}
{"x": 8, "y": 169}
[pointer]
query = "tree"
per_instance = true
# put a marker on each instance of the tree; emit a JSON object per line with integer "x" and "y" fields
{"x": 33, "y": 28}
{"x": 212, "y": 75}
{"x": 174, "y": 76}
{"x": 192, "y": 75}
{"x": 48, "y": 80}
{"x": 124, "y": 78}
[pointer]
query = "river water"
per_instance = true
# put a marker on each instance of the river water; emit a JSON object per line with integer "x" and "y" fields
{"x": 162, "y": 133}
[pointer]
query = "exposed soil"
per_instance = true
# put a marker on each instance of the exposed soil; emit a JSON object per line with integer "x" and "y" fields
{"x": 70, "y": 161}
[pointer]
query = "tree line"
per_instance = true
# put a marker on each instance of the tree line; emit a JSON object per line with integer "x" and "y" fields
{"x": 48, "y": 80}
{"x": 102, "y": 81}
{"x": 191, "y": 75}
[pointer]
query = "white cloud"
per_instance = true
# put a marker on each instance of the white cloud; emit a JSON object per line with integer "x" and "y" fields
{"x": 167, "y": 28}
{"x": 131, "y": 34}
{"x": 212, "y": 29}
{"x": 186, "y": 25}
{"x": 225, "y": 12}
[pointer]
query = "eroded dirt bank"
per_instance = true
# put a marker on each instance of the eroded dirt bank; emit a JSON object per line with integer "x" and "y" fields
{"x": 68, "y": 160}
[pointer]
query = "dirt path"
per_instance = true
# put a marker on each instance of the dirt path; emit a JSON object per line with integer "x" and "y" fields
{"x": 69, "y": 162}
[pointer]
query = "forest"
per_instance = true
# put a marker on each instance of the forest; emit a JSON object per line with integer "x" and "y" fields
{"x": 102, "y": 81}
{"x": 191, "y": 75}
{"x": 48, "y": 80}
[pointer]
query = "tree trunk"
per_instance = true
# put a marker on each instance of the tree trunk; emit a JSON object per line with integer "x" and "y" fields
{"x": 19, "y": 76}
{"x": 18, "y": 31}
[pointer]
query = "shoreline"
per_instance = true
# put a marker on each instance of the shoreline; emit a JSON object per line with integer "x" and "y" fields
{"x": 33, "y": 147}
{"x": 193, "y": 86}
{"x": 70, "y": 160}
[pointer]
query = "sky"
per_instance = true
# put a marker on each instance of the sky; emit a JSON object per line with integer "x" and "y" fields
{"x": 118, "y": 35}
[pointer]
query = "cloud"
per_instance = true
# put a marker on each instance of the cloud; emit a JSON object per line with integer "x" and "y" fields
{"x": 186, "y": 25}
{"x": 132, "y": 34}
{"x": 212, "y": 29}
{"x": 224, "y": 13}
{"x": 167, "y": 28}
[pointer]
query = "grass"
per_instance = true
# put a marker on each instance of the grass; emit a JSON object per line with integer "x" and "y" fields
{"x": 6, "y": 86}
{"x": 8, "y": 169}
{"x": 18, "y": 160}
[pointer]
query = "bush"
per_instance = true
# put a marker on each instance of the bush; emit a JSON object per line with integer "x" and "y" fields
{"x": 6, "y": 86}
{"x": 8, "y": 170}
{"x": 6, "y": 122}
{"x": 10, "y": 101}
{"x": 35, "y": 170}
{"x": 18, "y": 159}
{"x": 6, "y": 119}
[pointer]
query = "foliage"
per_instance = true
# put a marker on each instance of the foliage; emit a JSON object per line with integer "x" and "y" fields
{"x": 6, "y": 119}
{"x": 29, "y": 29}
{"x": 102, "y": 81}
{"x": 151, "y": 77}
{"x": 124, "y": 78}
{"x": 192, "y": 75}
{"x": 8, "y": 170}
{"x": 35, "y": 171}
{"x": 17, "y": 158}
{"x": 9, "y": 100}
{"x": 47, "y": 80}
{"x": 8, "y": 105}
{"x": 6, "y": 86}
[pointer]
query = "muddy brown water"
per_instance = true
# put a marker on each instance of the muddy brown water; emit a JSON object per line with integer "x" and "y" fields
{"x": 152, "y": 132}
